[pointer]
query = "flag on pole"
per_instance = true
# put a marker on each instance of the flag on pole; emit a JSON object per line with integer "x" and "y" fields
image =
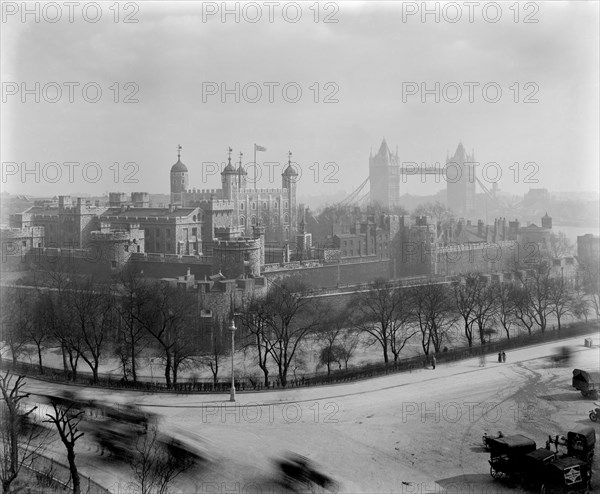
{"x": 259, "y": 148}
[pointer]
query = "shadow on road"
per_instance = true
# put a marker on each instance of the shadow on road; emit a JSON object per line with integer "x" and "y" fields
{"x": 572, "y": 396}
{"x": 471, "y": 483}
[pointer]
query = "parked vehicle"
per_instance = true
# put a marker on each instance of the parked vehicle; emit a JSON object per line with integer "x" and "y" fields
{"x": 506, "y": 455}
{"x": 581, "y": 442}
{"x": 567, "y": 475}
{"x": 588, "y": 382}
{"x": 535, "y": 464}
{"x": 548, "y": 472}
{"x": 485, "y": 439}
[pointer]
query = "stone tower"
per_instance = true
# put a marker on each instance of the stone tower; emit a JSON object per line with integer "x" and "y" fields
{"x": 289, "y": 177}
{"x": 547, "y": 222}
{"x": 242, "y": 174}
{"x": 460, "y": 181}
{"x": 229, "y": 179}
{"x": 179, "y": 180}
{"x": 384, "y": 176}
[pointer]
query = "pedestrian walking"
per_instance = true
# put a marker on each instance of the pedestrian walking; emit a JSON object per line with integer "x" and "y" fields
{"x": 433, "y": 361}
{"x": 503, "y": 357}
{"x": 499, "y": 356}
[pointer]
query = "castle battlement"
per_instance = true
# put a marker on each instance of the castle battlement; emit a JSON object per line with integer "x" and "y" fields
{"x": 203, "y": 191}
{"x": 237, "y": 243}
{"x": 217, "y": 204}
{"x": 26, "y": 231}
{"x": 150, "y": 219}
{"x": 171, "y": 258}
{"x": 251, "y": 191}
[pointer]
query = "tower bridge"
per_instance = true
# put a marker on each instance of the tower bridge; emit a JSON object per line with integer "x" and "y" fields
{"x": 387, "y": 173}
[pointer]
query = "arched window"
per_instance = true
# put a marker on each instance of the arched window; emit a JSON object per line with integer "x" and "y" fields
{"x": 286, "y": 205}
{"x": 241, "y": 206}
{"x": 265, "y": 205}
{"x": 286, "y": 219}
{"x": 242, "y": 221}
{"x": 253, "y": 206}
{"x": 276, "y": 220}
{"x": 253, "y": 220}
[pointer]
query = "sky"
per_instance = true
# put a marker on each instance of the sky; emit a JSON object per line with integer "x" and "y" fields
{"x": 170, "y": 79}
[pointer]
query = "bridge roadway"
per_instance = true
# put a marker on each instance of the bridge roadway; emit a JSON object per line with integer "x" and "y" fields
{"x": 405, "y": 433}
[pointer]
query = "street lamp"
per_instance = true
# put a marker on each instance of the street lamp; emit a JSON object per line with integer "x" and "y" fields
{"x": 232, "y": 328}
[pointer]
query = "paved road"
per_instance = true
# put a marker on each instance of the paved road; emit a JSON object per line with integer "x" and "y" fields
{"x": 418, "y": 432}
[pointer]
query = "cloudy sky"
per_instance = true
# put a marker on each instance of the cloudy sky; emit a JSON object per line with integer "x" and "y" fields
{"x": 360, "y": 64}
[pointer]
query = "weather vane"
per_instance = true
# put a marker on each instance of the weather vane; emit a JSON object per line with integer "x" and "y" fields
{"x": 179, "y": 148}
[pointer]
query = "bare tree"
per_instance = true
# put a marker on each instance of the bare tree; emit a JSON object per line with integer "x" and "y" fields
{"x": 214, "y": 347}
{"x": 40, "y": 332}
{"x": 329, "y": 336}
{"x": 93, "y": 321}
{"x": 294, "y": 317}
{"x": 66, "y": 422}
{"x": 16, "y": 320}
{"x": 465, "y": 293}
{"x": 17, "y": 442}
{"x": 484, "y": 308}
{"x": 559, "y": 245}
{"x": 257, "y": 318}
{"x": 560, "y": 297}
{"x": 538, "y": 287}
{"x": 433, "y": 311}
{"x": 436, "y": 210}
{"x": 505, "y": 307}
{"x": 379, "y": 313}
{"x": 132, "y": 336}
{"x": 591, "y": 285}
{"x": 169, "y": 318}
{"x": 347, "y": 345}
{"x": 57, "y": 312}
{"x": 154, "y": 468}
{"x": 522, "y": 306}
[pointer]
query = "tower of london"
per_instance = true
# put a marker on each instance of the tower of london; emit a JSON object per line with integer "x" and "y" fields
{"x": 274, "y": 209}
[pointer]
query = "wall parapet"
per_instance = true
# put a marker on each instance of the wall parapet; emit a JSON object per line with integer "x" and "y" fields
{"x": 170, "y": 258}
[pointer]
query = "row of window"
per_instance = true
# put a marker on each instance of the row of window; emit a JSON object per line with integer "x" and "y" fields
{"x": 148, "y": 232}
{"x": 265, "y": 205}
{"x": 253, "y": 220}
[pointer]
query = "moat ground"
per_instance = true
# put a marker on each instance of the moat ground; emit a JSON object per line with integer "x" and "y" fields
{"x": 409, "y": 432}
{"x": 151, "y": 368}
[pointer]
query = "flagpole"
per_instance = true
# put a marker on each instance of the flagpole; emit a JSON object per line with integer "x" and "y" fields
{"x": 255, "y": 173}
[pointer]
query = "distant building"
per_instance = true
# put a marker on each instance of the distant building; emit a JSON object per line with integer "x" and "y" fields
{"x": 274, "y": 209}
{"x": 386, "y": 173}
{"x": 588, "y": 251}
{"x": 70, "y": 223}
{"x": 384, "y": 176}
{"x": 460, "y": 181}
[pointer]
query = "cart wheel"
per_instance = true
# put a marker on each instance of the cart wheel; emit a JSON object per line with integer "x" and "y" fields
{"x": 593, "y": 417}
{"x": 495, "y": 473}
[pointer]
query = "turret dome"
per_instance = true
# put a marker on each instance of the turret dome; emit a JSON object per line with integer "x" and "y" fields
{"x": 179, "y": 167}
